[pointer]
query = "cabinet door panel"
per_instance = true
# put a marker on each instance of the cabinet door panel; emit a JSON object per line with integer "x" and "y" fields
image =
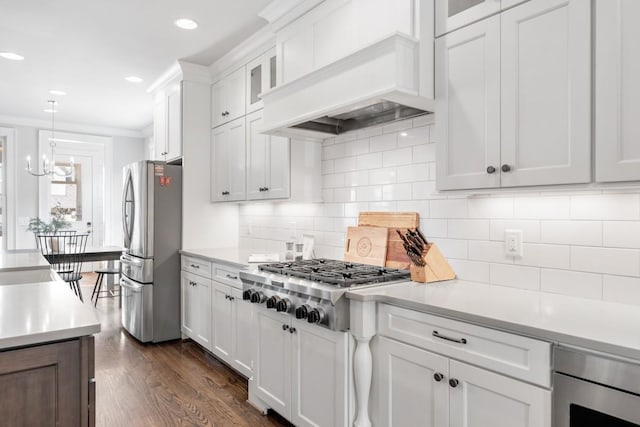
{"x": 273, "y": 359}
{"x": 334, "y": 35}
{"x": 380, "y": 18}
{"x": 159, "y": 129}
{"x": 174, "y": 123}
{"x": 221, "y": 320}
{"x": 408, "y": 393}
{"x": 453, "y": 14}
{"x": 546, "y": 93}
{"x": 244, "y": 338}
{"x": 278, "y": 169}
{"x": 468, "y": 105}
{"x": 320, "y": 373}
{"x": 228, "y": 98}
{"x": 257, "y": 154}
{"x": 219, "y": 164}
{"x": 203, "y": 312}
{"x": 483, "y": 398}
{"x": 237, "y": 160}
{"x": 188, "y": 307}
{"x": 617, "y": 90}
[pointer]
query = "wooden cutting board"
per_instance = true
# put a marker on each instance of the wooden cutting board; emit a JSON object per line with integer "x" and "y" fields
{"x": 396, "y": 255}
{"x": 366, "y": 245}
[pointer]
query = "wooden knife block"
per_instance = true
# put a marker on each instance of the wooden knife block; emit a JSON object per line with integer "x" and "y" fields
{"x": 437, "y": 267}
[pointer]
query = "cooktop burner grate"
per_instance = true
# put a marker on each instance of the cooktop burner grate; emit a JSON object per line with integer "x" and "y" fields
{"x": 337, "y": 273}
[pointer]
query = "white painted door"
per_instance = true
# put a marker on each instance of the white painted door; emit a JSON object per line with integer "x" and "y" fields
{"x": 468, "y": 105}
{"x": 546, "y": 93}
{"x": 617, "y": 100}
{"x": 221, "y": 320}
{"x": 320, "y": 376}
{"x": 159, "y": 128}
{"x": 202, "y": 308}
{"x": 278, "y": 168}
{"x": 189, "y": 306}
{"x": 228, "y": 162}
{"x": 454, "y": 14}
{"x": 273, "y": 360}
{"x": 413, "y": 386}
{"x": 257, "y": 154}
{"x": 174, "y": 123}
{"x": 243, "y": 334}
{"x": 228, "y": 98}
{"x": 481, "y": 398}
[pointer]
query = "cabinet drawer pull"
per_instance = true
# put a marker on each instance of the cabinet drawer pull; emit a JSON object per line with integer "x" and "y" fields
{"x": 195, "y": 266}
{"x": 225, "y": 193}
{"x": 506, "y": 168}
{"x": 443, "y": 337}
{"x": 292, "y": 330}
{"x": 454, "y": 382}
{"x": 285, "y": 327}
{"x": 192, "y": 283}
{"x": 231, "y": 298}
{"x": 232, "y": 277}
{"x": 491, "y": 169}
{"x": 438, "y": 376}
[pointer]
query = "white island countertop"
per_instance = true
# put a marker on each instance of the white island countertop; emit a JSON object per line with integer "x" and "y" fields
{"x": 235, "y": 257}
{"x": 598, "y": 325}
{"x": 13, "y": 261}
{"x": 37, "y": 313}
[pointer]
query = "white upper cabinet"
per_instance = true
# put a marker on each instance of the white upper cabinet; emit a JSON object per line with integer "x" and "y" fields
{"x": 468, "y": 106}
{"x": 228, "y": 163}
{"x": 261, "y": 76}
{"x": 337, "y": 28}
{"x": 174, "y": 123}
{"x": 617, "y": 101}
{"x": 539, "y": 130}
{"x": 454, "y": 14}
{"x": 268, "y": 167}
{"x": 228, "y": 98}
{"x": 546, "y": 93}
{"x": 159, "y": 128}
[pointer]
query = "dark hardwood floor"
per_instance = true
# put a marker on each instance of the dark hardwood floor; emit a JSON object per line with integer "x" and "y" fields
{"x": 170, "y": 384}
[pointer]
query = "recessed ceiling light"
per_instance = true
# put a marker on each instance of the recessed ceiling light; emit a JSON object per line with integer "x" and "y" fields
{"x": 49, "y": 110}
{"x": 133, "y": 79}
{"x": 12, "y": 56}
{"x": 186, "y": 24}
{"x": 57, "y": 92}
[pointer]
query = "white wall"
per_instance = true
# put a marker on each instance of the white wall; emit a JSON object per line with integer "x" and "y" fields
{"x": 583, "y": 242}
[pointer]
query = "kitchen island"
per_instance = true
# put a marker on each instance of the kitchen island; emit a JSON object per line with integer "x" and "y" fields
{"x": 46, "y": 355}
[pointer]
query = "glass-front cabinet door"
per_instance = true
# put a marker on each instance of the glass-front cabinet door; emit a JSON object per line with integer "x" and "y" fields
{"x": 261, "y": 77}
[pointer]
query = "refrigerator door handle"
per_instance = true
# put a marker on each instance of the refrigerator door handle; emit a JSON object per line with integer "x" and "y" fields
{"x": 134, "y": 287}
{"x": 128, "y": 201}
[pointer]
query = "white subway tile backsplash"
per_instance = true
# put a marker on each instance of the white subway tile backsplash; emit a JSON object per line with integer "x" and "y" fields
{"x": 542, "y": 207}
{"x": 420, "y": 206}
{"x": 327, "y": 166}
{"x": 357, "y": 147}
{"x": 425, "y": 190}
{"x": 606, "y": 260}
{"x": 383, "y": 142}
{"x": 396, "y": 192}
{"x": 424, "y": 120}
{"x": 474, "y": 229}
{"x": 515, "y": 276}
{"x": 481, "y": 250}
{"x": 550, "y": 256}
{"x": 355, "y": 179}
{"x": 621, "y": 234}
{"x": 369, "y": 132}
{"x": 411, "y": 173}
{"x": 452, "y": 248}
{"x": 345, "y": 137}
{"x": 606, "y": 206}
{"x": 565, "y": 282}
{"x": 585, "y": 233}
{"x": 345, "y": 164}
{"x": 530, "y": 229}
{"x": 369, "y": 161}
{"x": 333, "y": 209}
{"x": 328, "y": 195}
{"x": 398, "y": 157}
{"x": 334, "y": 151}
{"x": 382, "y": 176}
{"x": 433, "y": 227}
{"x": 369, "y": 193}
{"x": 352, "y": 210}
{"x": 424, "y": 153}
{"x": 470, "y": 270}
{"x": 625, "y": 290}
{"x": 397, "y": 126}
{"x": 485, "y": 207}
{"x": 449, "y": 208}
{"x": 383, "y": 206}
{"x": 415, "y": 136}
{"x": 347, "y": 194}
{"x": 333, "y": 180}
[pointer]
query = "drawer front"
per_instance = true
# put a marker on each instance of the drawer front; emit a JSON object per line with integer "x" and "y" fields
{"x": 519, "y": 357}
{"x": 196, "y": 266}
{"x": 228, "y": 275}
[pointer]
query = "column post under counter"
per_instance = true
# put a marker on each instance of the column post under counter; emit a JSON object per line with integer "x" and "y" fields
{"x": 363, "y": 328}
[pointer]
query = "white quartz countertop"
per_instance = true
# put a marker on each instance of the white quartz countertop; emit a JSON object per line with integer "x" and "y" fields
{"x": 42, "y": 312}
{"x": 12, "y": 261}
{"x": 598, "y": 325}
{"x": 235, "y": 257}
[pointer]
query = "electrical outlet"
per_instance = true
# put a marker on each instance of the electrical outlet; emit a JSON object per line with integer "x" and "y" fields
{"x": 513, "y": 242}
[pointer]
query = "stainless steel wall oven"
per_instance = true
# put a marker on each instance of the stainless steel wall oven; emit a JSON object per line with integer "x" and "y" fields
{"x": 593, "y": 390}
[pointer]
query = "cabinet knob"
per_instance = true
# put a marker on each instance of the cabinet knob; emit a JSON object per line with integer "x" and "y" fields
{"x": 506, "y": 168}
{"x": 292, "y": 330}
{"x": 225, "y": 193}
{"x": 266, "y": 188}
{"x": 438, "y": 376}
{"x": 454, "y": 382}
{"x": 285, "y": 327}
{"x": 491, "y": 169}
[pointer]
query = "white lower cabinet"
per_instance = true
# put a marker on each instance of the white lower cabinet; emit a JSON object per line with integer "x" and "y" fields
{"x": 196, "y": 308}
{"x": 418, "y": 387}
{"x": 302, "y": 370}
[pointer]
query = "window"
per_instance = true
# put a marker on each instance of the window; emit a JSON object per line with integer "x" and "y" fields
{"x": 66, "y": 192}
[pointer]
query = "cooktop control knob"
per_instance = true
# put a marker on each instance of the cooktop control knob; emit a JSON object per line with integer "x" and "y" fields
{"x": 283, "y": 306}
{"x": 246, "y": 295}
{"x": 316, "y": 315}
{"x": 303, "y": 311}
{"x": 257, "y": 297}
{"x": 272, "y": 301}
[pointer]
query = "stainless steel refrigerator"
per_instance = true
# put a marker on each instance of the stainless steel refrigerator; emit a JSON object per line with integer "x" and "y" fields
{"x": 150, "y": 280}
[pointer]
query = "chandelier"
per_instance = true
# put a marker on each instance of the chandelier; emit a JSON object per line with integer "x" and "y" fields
{"x": 49, "y": 166}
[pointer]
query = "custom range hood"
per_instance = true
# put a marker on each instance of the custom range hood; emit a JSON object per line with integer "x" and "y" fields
{"x": 378, "y": 84}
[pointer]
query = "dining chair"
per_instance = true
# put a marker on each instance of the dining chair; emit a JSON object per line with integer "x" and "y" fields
{"x": 65, "y": 253}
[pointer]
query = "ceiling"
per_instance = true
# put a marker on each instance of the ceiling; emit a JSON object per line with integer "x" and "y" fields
{"x": 87, "y": 47}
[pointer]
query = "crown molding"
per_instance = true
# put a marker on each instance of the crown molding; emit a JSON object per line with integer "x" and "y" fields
{"x": 258, "y": 43}
{"x": 181, "y": 70}
{"x": 276, "y": 9}
{"x": 12, "y": 121}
